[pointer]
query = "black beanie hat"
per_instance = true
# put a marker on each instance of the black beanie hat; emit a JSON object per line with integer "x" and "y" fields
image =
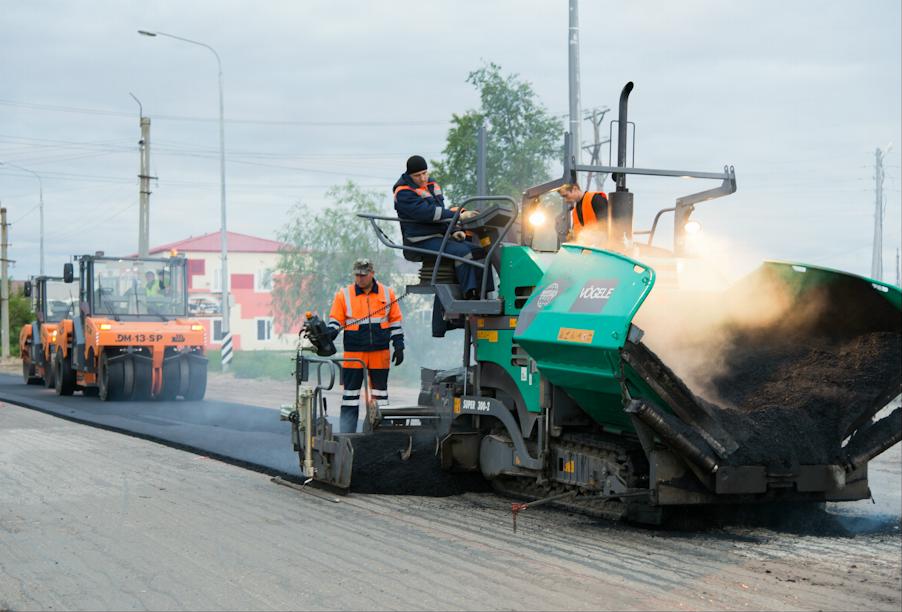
{"x": 415, "y": 164}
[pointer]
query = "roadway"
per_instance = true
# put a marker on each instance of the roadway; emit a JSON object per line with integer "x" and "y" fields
{"x": 93, "y": 519}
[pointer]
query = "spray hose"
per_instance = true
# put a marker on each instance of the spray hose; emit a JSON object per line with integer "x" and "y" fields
{"x": 371, "y": 313}
{"x": 320, "y": 335}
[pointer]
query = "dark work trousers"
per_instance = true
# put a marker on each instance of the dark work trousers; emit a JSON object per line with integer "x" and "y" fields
{"x": 352, "y": 379}
{"x": 468, "y": 277}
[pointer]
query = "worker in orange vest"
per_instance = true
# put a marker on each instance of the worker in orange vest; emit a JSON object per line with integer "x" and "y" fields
{"x": 369, "y": 314}
{"x": 590, "y": 213}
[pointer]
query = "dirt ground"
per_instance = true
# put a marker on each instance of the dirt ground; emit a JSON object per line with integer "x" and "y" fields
{"x": 11, "y": 365}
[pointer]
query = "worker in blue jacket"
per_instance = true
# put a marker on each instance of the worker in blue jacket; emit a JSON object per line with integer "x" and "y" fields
{"x": 421, "y": 207}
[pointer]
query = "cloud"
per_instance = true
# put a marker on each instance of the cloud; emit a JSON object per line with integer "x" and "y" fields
{"x": 795, "y": 95}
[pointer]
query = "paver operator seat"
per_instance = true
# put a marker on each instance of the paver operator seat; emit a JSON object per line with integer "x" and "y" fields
{"x": 488, "y": 229}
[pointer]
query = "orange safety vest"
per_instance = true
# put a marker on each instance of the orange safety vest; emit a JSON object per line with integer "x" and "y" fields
{"x": 375, "y": 322}
{"x": 584, "y": 213}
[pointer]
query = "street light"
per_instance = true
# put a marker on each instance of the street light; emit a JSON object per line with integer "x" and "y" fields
{"x": 40, "y": 206}
{"x": 226, "y": 336}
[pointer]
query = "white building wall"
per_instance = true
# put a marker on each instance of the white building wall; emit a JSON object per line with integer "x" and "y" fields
{"x": 207, "y": 285}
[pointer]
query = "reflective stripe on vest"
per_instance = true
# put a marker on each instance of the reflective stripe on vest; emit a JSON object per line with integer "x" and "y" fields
{"x": 423, "y": 192}
{"x": 378, "y": 314}
{"x": 420, "y": 191}
{"x": 347, "y": 293}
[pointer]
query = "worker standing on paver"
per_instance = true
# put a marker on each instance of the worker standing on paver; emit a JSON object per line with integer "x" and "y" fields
{"x": 369, "y": 314}
{"x": 589, "y": 217}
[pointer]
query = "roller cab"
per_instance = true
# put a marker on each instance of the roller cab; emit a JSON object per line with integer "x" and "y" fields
{"x": 131, "y": 337}
{"x": 52, "y": 301}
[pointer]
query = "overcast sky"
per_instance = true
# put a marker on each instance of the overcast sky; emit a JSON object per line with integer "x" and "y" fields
{"x": 796, "y": 95}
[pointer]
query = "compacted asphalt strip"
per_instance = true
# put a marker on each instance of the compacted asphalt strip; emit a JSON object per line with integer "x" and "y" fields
{"x": 253, "y": 435}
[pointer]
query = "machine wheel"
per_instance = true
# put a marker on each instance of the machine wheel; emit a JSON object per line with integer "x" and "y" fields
{"x": 111, "y": 379}
{"x": 143, "y": 381}
{"x": 172, "y": 380}
{"x": 197, "y": 385}
{"x": 28, "y": 376}
{"x": 63, "y": 375}
{"x": 49, "y": 371}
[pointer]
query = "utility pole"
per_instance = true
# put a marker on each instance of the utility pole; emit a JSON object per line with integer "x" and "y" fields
{"x": 877, "y": 254}
{"x": 481, "y": 181}
{"x": 223, "y": 233}
{"x": 4, "y": 283}
{"x": 594, "y": 149}
{"x": 898, "y": 269}
{"x": 573, "y": 40}
{"x": 144, "y": 189}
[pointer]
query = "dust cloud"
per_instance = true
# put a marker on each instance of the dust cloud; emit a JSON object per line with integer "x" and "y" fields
{"x": 788, "y": 364}
{"x": 692, "y": 316}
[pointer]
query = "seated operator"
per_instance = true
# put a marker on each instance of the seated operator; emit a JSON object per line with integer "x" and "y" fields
{"x": 419, "y": 199}
{"x": 151, "y": 287}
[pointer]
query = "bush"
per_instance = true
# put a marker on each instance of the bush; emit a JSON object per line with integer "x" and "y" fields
{"x": 215, "y": 360}
{"x": 20, "y": 314}
{"x": 276, "y": 365}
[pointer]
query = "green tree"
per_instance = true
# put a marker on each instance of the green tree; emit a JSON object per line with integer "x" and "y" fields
{"x": 20, "y": 314}
{"x": 320, "y": 249}
{"x": 522, "y": 140}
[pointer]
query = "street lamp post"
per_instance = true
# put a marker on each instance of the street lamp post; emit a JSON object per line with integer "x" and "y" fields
{"x": 226, "y": 335}
{"x": 40, "y": 205}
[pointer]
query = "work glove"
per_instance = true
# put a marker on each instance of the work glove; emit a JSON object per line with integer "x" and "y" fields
{"x": 397, "y": 357}
{"x": 459, "y": 235}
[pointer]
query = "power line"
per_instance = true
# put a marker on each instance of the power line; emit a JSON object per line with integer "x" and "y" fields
{"x": 67, "y": 176}
{"x": 108, "y": 141}
{"x": 95, "y": 189}
{"x": 200, "y": 153}
{"x": 93, "y": 222}
{"x": 62, "y": 158}
{"x": 111, "y": 146}
{"x": 272, "y": 122}
{"x": 31, "y": 210}
{"x": 279, "y": 166}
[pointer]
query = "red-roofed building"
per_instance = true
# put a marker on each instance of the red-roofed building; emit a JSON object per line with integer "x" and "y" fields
{"x": 209, "y": 243}
{"x": 252, "y": 261}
